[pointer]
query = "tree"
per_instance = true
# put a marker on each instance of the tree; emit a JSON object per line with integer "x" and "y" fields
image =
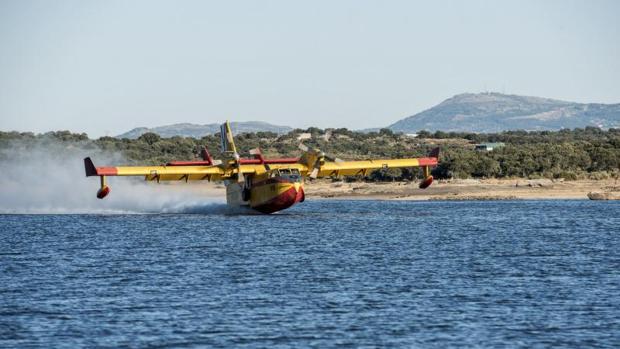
{"x": 150, "y": 138}
{"x": 386, "y": 132}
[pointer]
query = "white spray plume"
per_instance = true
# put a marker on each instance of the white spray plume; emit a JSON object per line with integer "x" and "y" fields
{"x": 48, "y": 177}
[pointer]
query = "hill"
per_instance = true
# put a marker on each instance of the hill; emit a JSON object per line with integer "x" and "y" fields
{"x": 198, "y": 131}
{"x": 495, "y": 112}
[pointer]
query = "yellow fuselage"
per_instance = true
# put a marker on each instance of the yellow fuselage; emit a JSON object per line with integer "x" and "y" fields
{"x": 266, "y": 193}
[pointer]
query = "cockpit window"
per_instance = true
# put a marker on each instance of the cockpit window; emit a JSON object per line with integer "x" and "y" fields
{"x": 289, "y": 173}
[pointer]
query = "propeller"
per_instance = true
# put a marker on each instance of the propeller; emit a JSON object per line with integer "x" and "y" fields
{"x": 240, "y": 177}
{"x": 315, "y": 158}
{"x": 258, "y": 154}
{"x": 333, "y": 159}
{"x": 303, "y": 147}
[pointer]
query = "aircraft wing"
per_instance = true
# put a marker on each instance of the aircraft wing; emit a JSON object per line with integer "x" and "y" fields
{"x": 158, "y": 173}
{"x": 352, "y": 168}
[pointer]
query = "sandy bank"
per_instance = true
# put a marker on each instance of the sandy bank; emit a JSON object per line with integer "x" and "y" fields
{"x": 470, "y": 189}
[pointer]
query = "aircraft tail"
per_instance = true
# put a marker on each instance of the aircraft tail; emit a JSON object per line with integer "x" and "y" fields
{"x": 90, "y": 168}
{"x": 227, "y": 143}
{"x": 229, "y": 150}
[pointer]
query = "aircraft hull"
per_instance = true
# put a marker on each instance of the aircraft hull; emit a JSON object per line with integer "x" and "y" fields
{"x": 275, "y": 194}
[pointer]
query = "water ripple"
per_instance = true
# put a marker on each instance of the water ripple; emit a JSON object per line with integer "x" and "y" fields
{"x": 324, "y": 274}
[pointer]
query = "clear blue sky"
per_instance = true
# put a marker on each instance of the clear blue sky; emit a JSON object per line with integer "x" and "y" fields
{"x": 104, "y": 67}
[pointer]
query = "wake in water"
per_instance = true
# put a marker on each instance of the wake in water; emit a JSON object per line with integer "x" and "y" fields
{"x": 49, "y": 179}
{"x": 211, "y": 208}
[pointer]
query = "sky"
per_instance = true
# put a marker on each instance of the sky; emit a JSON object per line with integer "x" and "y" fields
{"x": 105, "y": 67}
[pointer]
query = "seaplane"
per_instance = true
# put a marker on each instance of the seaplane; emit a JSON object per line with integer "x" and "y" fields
{"x": 261, "y": 184}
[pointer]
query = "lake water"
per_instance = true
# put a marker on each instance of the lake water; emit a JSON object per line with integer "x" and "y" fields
{"x": 323, "y": 274}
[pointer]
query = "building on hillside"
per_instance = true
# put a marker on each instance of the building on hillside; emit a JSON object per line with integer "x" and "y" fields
{"x": 304, "y": 136}
{"x": 489, "y": 146}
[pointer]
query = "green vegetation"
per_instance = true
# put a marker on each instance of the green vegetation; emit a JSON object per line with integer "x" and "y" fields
{"x": 569, "y": 154}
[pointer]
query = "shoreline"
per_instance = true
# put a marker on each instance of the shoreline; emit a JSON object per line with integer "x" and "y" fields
{"x": 464, "y": 190}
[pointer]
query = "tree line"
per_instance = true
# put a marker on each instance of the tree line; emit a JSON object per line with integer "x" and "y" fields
{"x": 569, "y": 154}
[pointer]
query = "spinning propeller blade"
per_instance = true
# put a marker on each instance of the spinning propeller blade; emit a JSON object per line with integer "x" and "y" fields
{"x": 315, "y": 158}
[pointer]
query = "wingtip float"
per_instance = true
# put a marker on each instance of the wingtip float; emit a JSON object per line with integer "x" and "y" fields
{"x": 265, "y": 185}
{"x": 91, "y": 170}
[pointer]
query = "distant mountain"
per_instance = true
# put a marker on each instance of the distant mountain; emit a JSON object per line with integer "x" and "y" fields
{"x": 198, "y": 131}
{"x": 494, "y": 112}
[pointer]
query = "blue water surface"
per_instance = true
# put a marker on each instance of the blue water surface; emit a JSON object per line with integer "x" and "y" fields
{"x": 324, "y": 274}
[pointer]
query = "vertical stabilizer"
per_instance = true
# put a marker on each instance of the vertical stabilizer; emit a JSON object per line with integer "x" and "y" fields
{"x": 227, "y": 143}
{"x": 229, "y": 150}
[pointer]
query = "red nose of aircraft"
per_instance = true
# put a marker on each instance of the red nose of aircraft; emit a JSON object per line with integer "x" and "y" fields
{"x": 286, "y": 199}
